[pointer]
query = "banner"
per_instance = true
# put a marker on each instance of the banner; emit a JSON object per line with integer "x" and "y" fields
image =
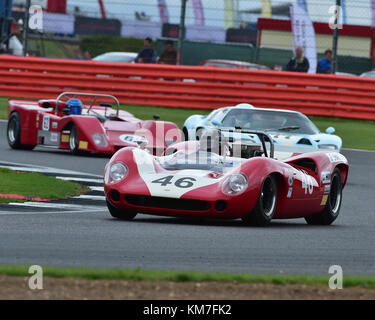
{"x": 266, "y": 9}
{"x": 303, "y": 5}
{"x": 304, "y": 35}
{"x": 229, "y": 13}
{"x": 373, "y": 13}
{"x": 343, "y": 12}
{"x": 58, "y": 23}
{"x": 163, "y": 11}
{"x": 56, "y": 6}
{"x": 94, "y": 26}
{"x": 198, "y": 12}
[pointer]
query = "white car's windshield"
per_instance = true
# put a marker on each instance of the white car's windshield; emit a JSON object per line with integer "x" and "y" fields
{"x": 272, "y": 121}
{"x": 199, "y": 160}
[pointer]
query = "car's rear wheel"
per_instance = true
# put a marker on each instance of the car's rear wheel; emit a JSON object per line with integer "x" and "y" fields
{"x": 14, "y": 133}
{"x": 265, "y": 207}
{"x": 120, "y": 214}
{"x": 333, "y": 205}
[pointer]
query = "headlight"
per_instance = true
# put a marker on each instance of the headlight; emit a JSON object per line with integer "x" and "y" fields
{"x": 117, "y": 172}
{"x": 327, "y": 146}
{"x": 100, "y": 140}
{"x": 235, "y": 184}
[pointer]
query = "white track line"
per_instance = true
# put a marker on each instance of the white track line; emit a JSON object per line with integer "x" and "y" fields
{"x": 88, "y": 197}
{"x": 81, "y": 179}
{"x": 93, "y": 188}
{"x": 7, "y": 164}
{"x": 9, "y": 213}
{"x": 51, "y": 205}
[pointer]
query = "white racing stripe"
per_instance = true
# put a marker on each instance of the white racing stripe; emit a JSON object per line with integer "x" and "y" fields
{"x": 193, "y": 178}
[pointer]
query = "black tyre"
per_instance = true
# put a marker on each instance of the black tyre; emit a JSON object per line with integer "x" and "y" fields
{"x": 120, "y": 214}
{"x": 73, "y": 140}
{"x": 185, "y": 133}
{"x": 333, "y": 205}
{"x": 265, "y": 207}
{"x": 14, "y": 133}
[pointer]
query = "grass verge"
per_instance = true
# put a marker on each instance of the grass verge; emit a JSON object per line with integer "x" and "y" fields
{"x": 32, "y": 184}
{"x": 357, "y": 134}
{"x": 184, "y": 276}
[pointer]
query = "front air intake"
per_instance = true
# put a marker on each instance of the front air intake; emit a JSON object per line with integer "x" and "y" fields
{"x": 167, "y": 203}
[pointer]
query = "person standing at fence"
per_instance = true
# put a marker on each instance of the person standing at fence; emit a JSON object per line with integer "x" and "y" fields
{"x": 298, "y": 63}
{"x": 147, "y": 54}
{"x": 169, "y": 55}
{"x": 324, "y": 64}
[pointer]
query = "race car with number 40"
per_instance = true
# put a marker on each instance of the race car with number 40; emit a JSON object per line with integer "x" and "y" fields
{"x": 194, "y": 181}
{"x": 67, "y": 123}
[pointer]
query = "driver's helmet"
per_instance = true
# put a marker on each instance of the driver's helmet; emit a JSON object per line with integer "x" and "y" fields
{"x": 74, "y": 106}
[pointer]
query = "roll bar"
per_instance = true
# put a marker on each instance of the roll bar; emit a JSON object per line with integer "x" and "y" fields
{"x": 263, "y": 137}
{"x": 94, "y": 95}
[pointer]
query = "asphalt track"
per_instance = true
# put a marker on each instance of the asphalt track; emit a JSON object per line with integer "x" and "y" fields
{"x": 91, "y": 238}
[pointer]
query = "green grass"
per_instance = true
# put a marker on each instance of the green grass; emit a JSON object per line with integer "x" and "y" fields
{"x": 358, "y": 134}
{"x": 34, "y": 184}
{"x": 184, "y": 276}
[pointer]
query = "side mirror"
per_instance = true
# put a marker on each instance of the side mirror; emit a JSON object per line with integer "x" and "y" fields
{"x": 156, "y": 117}
{"x": 330, "y": 130}
{"x": 216, "y": 123}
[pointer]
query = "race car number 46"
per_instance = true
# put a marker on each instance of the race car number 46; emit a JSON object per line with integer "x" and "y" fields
{"x": 185, "y": 182}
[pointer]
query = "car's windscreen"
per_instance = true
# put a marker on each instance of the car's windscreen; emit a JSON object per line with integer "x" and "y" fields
{"x": 200, "y": 160}
{"x": 272, "y": 121}
{"x": 114, "y": 58}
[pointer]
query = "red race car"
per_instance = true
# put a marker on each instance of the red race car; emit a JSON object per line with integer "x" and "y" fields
{"x": 67, "y": 123}
{"x": 192, "y": 180}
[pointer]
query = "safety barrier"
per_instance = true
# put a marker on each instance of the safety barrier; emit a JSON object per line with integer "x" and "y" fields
{"x": 190, "y": 87}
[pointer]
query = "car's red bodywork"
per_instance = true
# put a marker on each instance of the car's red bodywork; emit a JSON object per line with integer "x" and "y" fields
{"x": 302, "y": 187}
{"x": 44, "y": 124}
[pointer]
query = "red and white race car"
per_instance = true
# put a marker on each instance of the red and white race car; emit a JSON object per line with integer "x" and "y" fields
{"x": 67, "y": 123}
{"x": 194, "y": 181}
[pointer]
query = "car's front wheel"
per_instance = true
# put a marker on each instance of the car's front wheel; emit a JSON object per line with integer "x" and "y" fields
{"x": 120, "y": 214}
{"x": 333, "y": 205}
{"x": 14, "y": 133}
{"x": 265, "y": 207}
{"x": 73, "y": 140}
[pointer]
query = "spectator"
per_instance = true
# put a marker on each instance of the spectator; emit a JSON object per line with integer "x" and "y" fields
{"x": 86, "y": 55}
{"x": 324, "y": 64}
{"x": 169, "y": 55}
{"x": 15, "y": 40}
{"x": 147, "y": 54}
{"x": 299, "y": 63}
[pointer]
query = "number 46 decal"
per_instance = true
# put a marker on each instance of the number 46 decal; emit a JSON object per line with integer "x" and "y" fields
{"x": 180, "y": 183}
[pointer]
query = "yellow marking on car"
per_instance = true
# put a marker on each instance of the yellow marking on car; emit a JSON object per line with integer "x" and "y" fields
{"x": 324, "y": 200}
{"x": 83, "y": 144}
{"x": 65, "y": 138}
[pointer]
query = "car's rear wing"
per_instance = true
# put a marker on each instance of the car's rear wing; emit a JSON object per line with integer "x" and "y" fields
{"x": 69, "y": 95}
{"x": 263, "y": 137}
